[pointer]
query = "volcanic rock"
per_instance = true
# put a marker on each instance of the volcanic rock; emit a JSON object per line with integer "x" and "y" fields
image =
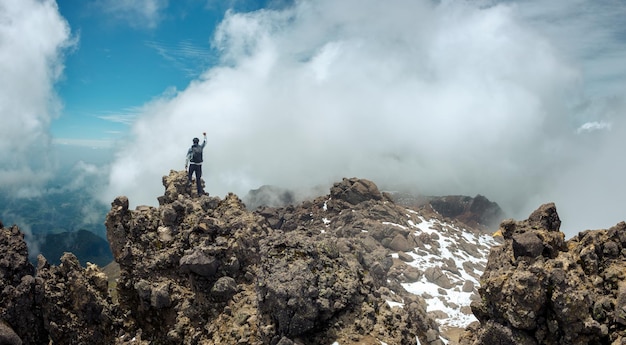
{"x": 354, "y": 191}
{"x": 20, "y": 291}
{"x": 435, "y": 275}
{"x": 539, "y": 289}
{"x": 476, "y": 212}
{"x": 75, "y": 304}
{"x": 8, "y": 336}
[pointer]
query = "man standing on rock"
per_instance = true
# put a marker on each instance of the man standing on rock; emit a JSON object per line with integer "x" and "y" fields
{"x": 194, "y": 160}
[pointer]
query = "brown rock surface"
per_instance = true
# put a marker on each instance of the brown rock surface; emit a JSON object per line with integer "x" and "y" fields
{"x": 476, "y": 212}
{"x": 539, "y": 289}
{"x": 20, "y": 291}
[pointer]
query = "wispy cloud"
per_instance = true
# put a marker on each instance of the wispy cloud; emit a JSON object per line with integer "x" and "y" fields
{"x": 187, "y": 56}
{"x": 124, "y": 116}
{"x": 593, "y": 126}
{"x": 136, "y": 13}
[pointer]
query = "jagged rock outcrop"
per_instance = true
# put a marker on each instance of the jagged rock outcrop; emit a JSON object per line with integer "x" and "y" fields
{"x": 20, "y": 292}
{"x": 476, "y": 212}
{"x": 202, "y": 269}
{"x": 538, "y": 288}
{"x": 65, "y": 304}
{"x": 75, "y": 303}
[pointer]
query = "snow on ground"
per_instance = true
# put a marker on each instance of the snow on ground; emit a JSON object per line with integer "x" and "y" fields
{"x": 461, "y": 254}
{"x": 447, "y": 242}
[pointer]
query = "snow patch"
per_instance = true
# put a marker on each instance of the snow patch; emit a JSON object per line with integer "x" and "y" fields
{"x": 394, "y": 304}
{"x": 394, "y": 224}
{"x": 444, "y": 249}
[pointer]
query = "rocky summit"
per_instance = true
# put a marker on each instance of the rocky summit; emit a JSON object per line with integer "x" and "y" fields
{"x": 348, "y": 267}
{"x": 206, "y": 270}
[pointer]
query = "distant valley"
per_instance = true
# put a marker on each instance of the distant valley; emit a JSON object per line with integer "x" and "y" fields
{"x": 60, "y": 220}
{"x": 87, "y": 247}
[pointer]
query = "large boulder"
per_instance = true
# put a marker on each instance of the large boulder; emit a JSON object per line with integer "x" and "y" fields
{"x": 354, "y": 191}
{"x": 199, "y": 263}
{"x": 304, "y": 282}
{"x": 477, "y": 212}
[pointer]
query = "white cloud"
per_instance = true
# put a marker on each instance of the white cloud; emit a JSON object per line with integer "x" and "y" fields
{"x": 136, "y": 13}
{"x": 444, "y": 98}
{"x": 33, "y": 38}
{"x": 593, "y": 126}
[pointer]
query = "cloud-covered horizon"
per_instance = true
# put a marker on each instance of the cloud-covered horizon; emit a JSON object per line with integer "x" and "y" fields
{"x": 452, "y": 97}
{"x": 520, "y": 101}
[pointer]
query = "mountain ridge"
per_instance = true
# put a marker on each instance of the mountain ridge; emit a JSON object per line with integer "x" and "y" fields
{"x": 351, "y": 266}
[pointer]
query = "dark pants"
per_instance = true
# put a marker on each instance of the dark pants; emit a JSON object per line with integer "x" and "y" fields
{"x": 197, "y": 168}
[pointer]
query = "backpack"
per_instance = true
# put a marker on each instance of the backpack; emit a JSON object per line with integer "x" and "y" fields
{"x": 196, "y": 154}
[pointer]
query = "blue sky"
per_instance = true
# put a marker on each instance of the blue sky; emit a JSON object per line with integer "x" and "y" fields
{"x": 522, "y": 101}
{"x": 126, "y": 55}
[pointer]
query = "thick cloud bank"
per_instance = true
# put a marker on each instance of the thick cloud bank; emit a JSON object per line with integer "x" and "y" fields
{"x": 33, "y": 37}
{"x": 441, "y": 97}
